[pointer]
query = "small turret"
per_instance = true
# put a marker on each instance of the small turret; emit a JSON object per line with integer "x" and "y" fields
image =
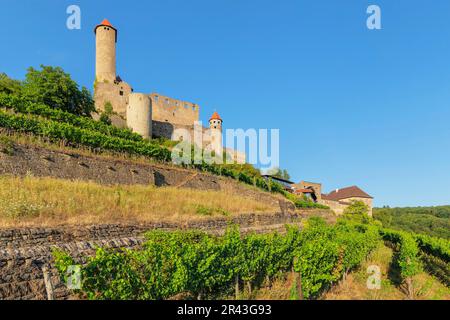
{"x": 215, "y": 131}
{"x": 215, "y": 123}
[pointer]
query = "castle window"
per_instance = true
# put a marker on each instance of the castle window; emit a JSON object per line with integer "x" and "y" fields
{"x": 121, "y": 93}
{"x": 156, "y": 98}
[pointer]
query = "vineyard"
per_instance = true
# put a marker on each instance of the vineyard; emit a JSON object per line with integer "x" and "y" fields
{"x": 23, "y": 116}
{"x": 201, "y": 266}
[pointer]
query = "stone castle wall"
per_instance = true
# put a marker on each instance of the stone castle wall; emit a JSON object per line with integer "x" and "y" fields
{"x": 115, "y": 93}
{"x": 177, "y": 112}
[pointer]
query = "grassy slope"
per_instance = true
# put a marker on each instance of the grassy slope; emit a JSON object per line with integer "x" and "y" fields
{"x": 433, "y": 221}
{"x": 47, "y": 201}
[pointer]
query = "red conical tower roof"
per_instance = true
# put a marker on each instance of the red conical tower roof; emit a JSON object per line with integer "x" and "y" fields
{"x": 215, "y": 116}
{"x": 105, "y": 22}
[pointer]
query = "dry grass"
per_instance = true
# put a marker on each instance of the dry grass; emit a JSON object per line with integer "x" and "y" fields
{"x": 34, "y": 201}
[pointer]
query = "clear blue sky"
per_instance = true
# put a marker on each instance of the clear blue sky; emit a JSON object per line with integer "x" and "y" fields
{"x": 353, "y": 106}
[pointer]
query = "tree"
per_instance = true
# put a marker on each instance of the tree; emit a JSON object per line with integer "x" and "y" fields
{"x": 8, "y": 85}
{"x": 55, "y": 88}
{"x": 279, "y": 173}
{"x": 357, "y": 207}
{"x": 357, "y": 211}
{"x": 105, "y": 116}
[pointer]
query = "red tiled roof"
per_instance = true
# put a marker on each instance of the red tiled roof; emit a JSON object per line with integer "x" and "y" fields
{"x": 345, "y": 193}
{"x": 215, "y": 116}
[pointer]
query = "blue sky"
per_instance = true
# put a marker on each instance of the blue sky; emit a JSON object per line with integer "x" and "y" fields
{"x": 353, "y": 106}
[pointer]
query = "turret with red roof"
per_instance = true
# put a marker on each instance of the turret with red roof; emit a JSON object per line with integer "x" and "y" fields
{"x": 215, "y": 122}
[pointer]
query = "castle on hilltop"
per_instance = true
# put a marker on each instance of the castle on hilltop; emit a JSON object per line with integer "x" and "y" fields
{"x": 151, "y": 115}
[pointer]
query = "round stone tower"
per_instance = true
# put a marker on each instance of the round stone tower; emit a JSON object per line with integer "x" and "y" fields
{"x": 105, "y": 61}
{"x": 139, "y": 114}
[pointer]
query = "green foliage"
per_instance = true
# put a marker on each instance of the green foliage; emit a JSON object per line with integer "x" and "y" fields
{"x": 437, "y": 247}
{"x": 279, "y": 173}
{"x": 302, "y": 203}
{"x": 207, "y": 266}
{"x": 105, "y": 116}
{"x": 62, "y": 131}
{"x": 432, "y": 221}
{"x": 209, "y": 211}
{"x": 9, "y": 86}
{"x": 6, "y": 145}
{"x": 24, "y": 106}
{"x": 408, "y": 259}
{"x": 55, "y": 88}
{"x": 357, "y": 208}
{"x": 109, "y": 108}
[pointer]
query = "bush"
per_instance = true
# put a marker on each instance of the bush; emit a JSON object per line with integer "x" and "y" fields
{"x": 9, "y": 86}
{"x": 408, "y": 255}
{"x": 437, "y": 247}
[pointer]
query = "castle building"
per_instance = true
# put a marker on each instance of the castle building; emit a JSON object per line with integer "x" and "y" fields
{"x": 151, "y": 115}
{"x": 338, "y": 200}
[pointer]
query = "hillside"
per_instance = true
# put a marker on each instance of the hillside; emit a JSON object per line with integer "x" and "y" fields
{"x": 19, "y": 117}
{"x": 433, "y": 221}
{"x": 74, "y": 190}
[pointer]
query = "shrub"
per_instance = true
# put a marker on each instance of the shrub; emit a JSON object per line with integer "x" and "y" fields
{"x": 55, "y": 88}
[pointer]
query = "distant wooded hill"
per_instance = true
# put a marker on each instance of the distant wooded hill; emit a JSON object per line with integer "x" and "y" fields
{"x": 433, "y": 221}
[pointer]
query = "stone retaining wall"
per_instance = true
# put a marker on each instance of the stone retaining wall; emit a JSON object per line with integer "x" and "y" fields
{"x": 25, "y": 253}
